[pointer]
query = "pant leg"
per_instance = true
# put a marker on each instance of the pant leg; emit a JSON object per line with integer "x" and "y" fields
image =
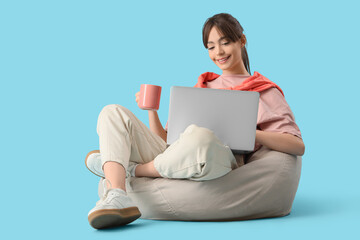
{"x": 197, "y": 155}
{"x": 123, "y": 138}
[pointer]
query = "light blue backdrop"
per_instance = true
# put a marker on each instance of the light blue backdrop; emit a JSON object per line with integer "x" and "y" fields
{"x": 62, "y": 61}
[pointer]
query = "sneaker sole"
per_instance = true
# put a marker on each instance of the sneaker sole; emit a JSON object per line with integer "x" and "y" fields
{"x": 87, "y": 156}
{"x": 107, "y": 218}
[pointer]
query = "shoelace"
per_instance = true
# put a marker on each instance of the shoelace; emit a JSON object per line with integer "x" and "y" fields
{"x": 106, "y": 190}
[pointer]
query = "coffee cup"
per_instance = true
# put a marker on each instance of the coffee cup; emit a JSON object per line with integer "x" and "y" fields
{"x": 149, "y": 98}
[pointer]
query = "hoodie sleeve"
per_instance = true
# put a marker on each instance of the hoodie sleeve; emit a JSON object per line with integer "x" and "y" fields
{"x": 275, "y": 115}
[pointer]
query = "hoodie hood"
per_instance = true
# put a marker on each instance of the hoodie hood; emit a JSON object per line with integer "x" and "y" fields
{"x": 255, "y": 83}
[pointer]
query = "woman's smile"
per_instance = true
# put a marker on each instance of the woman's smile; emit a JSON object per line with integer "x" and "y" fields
{"x": 223, "y": 60}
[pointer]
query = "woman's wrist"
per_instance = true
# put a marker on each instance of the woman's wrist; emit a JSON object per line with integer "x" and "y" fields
{"x": 155, "y": 125}
{"x": 282, "y": 142}
{"x": 258, "y": 137}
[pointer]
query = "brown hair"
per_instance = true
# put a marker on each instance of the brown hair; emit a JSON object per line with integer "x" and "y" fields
{"x": 230, "y": 28}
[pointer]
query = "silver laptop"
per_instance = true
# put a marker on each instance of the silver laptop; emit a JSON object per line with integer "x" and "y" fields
{"x": 230, "y": 114}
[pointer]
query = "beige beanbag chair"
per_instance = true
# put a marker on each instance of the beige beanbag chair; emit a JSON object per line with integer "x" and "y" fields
{"x": 264, "y": 187}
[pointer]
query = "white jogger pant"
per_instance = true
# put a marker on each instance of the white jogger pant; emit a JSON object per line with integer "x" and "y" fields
{"x": 197, "y": 155}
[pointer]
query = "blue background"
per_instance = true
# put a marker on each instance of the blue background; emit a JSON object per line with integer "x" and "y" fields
{"x": 61, "y": 62}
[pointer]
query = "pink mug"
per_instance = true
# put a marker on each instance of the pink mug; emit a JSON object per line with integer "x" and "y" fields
{"x": 149, "y": 98}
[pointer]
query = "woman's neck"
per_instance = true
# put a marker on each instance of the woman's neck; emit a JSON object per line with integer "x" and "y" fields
{"x": 238, "y": 71}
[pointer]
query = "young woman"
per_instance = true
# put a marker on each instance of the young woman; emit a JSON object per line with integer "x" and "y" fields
{"x": 129, "y": 148}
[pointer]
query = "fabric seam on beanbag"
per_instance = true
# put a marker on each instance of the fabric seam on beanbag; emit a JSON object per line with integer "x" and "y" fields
{"x": 268, "y": 187}
{"x": 167, "y": 202}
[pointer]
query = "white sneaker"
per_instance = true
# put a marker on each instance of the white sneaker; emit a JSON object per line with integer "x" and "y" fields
{"x": 93, "y": 163}
{"x": 114, "y": 209}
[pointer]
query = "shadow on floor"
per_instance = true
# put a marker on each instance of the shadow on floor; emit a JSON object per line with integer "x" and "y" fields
{"x": 306, "y": 206}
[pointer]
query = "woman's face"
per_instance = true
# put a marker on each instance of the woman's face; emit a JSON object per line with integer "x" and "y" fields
{"x": 225, "y": 54}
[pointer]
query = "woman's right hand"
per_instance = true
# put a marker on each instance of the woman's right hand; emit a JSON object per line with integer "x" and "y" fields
{"x": 137, "y": 97}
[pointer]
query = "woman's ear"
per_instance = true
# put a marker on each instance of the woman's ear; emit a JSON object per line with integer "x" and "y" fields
{"x": 243, "y": 40}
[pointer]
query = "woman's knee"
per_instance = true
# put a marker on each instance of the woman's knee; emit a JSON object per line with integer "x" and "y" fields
{"x": 204, "y": 141}
{"x": 114, "y": 110}
{"x": 114, "y": 113}
{"x": 198, "y": 135}
{"x": 111, "y": 108}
